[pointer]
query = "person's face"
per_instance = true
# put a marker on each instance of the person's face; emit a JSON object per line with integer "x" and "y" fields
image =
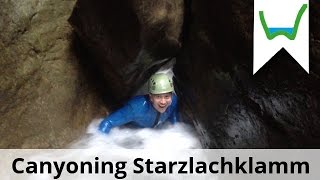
{"x": 161, "y": 101}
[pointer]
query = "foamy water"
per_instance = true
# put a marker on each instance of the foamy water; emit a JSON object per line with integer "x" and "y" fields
{"x": 178, "y": 136}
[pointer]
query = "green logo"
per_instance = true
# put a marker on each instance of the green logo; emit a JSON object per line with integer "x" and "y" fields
{"x": 290, "y": 33}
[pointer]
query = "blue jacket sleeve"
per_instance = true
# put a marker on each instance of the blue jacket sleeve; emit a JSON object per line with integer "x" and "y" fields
{"x": 117, "y": 118}
{"x": 174, "y": 117}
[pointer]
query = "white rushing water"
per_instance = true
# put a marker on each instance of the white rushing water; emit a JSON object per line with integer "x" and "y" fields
{"x": 178, "y": 136}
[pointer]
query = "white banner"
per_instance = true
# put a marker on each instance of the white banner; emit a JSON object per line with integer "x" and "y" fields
{"x": 213, "y": 164}
{"x": 281, "y": 24}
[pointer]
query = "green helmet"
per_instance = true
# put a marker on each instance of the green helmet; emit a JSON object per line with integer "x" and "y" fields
{"x": 160, "y": 83}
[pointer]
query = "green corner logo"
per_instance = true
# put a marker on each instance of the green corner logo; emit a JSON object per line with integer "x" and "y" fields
{"x": 290, "y": 33}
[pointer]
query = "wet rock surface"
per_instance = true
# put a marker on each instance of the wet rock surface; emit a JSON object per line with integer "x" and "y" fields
{"x": 126, "y": 38}
{"x": 45, "y": 101}
{"x": 277, "y": 107}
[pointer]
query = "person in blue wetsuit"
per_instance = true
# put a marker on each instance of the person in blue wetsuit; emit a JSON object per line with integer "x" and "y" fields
{"x": 149, "y": 110}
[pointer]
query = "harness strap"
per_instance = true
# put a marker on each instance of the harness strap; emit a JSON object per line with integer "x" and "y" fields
{"x": 156, "y": 121}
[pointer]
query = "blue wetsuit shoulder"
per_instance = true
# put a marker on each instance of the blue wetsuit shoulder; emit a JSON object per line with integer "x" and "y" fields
{"x": 139, "y": 111}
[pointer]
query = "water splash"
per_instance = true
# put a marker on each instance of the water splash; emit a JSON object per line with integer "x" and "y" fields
{"x": 178, "y": 136}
